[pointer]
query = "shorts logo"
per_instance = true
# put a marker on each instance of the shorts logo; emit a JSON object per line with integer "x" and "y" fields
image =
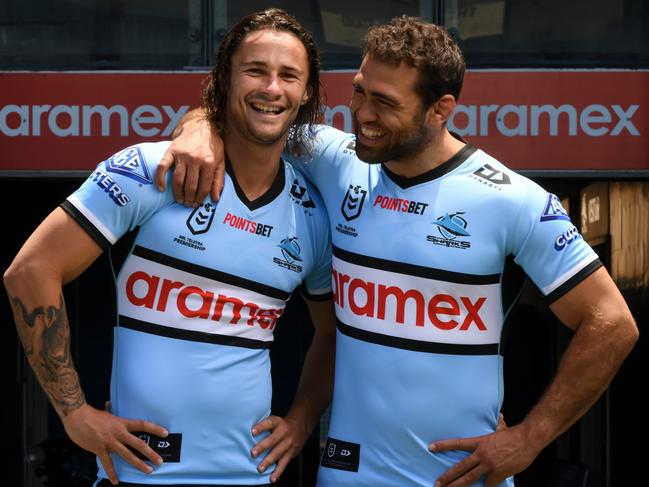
{"x": 353, "y": 202}
{"x": 201, "y": 218}
{"x": 451, "y": 227}
{"x": 331, "y": 451}
{"x": 553, "y": 210}
{"x": 300, "y": 196}
{"x": 291, "y": 252}
{"x": 130, "y": 163}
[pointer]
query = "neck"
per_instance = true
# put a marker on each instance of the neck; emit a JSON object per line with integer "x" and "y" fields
{"x": 436, "y": 151}
{"x": 254, "y": 165}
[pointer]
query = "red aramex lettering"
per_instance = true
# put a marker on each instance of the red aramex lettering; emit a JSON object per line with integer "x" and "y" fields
{"x": 438, "y": 307}
{"x": 206, "y": 302}
{"x": 152, "y": 288}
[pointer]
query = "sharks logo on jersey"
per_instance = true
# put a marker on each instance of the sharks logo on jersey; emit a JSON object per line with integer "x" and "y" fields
{"x": 450, "y": 227}
{"x": 291, "y": 252}
{"x": 130, "y": 163}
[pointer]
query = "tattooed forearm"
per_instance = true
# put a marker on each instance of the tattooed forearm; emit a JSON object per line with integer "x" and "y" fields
{"x": 45, "y": 334}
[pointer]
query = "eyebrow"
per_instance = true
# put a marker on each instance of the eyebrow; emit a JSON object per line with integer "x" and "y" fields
{"x": 377, "y": 94}
{"x": 261, "y": 64}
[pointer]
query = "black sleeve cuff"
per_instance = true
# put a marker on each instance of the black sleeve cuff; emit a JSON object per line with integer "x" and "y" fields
{"x": 84, "y": 223}
{"x": 573, "y": 281}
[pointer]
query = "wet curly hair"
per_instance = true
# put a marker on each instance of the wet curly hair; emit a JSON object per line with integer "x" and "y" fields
{"x": 424, "y": 46}
{"x": 217, "y": 85}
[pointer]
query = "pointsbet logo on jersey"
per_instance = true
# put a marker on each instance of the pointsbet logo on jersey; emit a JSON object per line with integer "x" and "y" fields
{"x": 400, "y": 205}
{"x": 450, "y": 227}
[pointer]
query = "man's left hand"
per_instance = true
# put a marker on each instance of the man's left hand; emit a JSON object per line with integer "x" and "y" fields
{"x": 494, "y": 457}
{"x": 284, "y": 442}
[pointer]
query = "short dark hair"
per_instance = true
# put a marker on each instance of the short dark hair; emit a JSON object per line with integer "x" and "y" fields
{"x": 216, "y": 86}
{"x": 427, "y": 47}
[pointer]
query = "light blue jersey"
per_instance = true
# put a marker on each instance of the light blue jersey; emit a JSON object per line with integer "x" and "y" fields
{"x": 198, "y": 300}
{"x": 418, "y": 272}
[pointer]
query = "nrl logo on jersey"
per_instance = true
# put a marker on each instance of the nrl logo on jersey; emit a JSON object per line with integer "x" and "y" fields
{"x": 300, "y": 196}
{"x": 130, "y": 163}
{"x": 353, "y": 202}
{"x": 201, "y": 218}
{"x": 450, "y": 227}
{"x": 554, "y": 210}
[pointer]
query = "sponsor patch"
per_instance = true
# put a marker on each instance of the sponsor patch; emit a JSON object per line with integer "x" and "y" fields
{"x": 300, "y": 196}
{"x": 130, "y": 163}
{"x": 168, "y": 448}
{"x": 554, "y": 210}
{"x": 341, "y": 455}
{"x": 566, "y": 238}
{"x": 110, "y": 187}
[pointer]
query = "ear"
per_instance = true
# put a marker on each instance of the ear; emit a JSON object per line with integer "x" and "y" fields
{"x": 440, "y": 111}
{"x": 306, "y": 96}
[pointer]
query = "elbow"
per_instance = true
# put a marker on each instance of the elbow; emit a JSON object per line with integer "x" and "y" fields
{"x": 632, "y": 332}
{"x": 18, "y": 276}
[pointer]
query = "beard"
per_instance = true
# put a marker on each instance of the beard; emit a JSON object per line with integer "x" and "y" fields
{"x": 403, "y": 144}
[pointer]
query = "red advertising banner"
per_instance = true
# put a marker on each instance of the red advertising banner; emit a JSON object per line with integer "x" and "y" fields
{"x": 543, "y": 120}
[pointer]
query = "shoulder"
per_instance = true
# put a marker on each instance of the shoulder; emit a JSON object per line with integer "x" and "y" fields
{"x": 137, "y": 162}
{"x": 305, "y": 195}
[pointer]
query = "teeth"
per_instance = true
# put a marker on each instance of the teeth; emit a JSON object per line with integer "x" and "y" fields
{"x": 371, "y": 133}
{"x": 266, "y": 108}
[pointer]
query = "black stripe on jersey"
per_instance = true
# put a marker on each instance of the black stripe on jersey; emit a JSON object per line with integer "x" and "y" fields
{"x": 417, "y": 345}
{"x": 190, "y": 335}
{"x": 316, "y": 297}
{"x": 404, "y": 183}
{"x": 215, "y": 275}
{"x": 573, "y": 281}
{"x": 84, "y": 223}
{"x": 414, "y": 270}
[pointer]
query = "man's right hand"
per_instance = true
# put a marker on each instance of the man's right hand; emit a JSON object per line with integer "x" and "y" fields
{"x": 102, "y": 433}
{"x": 197, "y": 152}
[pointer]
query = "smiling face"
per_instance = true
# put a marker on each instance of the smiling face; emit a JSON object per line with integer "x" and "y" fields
{"x": 389, "y": 120}
{"x": 268, "y": 84}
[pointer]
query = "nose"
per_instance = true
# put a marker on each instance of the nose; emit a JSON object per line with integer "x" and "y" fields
{"x": 362, "y": 109}
{"x": 272, "y": 86}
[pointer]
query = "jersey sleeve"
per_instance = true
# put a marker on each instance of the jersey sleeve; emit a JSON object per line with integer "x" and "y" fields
{"x": 120, "y": 195}
{"x": 549, "y": 247}
{"x": 329, "y": 146}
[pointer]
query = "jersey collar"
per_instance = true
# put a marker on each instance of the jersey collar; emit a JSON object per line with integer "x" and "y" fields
{"x": 445, "y": 167}
{"x": 271, "y": 193}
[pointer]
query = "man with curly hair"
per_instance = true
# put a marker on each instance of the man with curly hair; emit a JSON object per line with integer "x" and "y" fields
{"x": 201, "y": 290}
{"x": 423, "y": 226}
